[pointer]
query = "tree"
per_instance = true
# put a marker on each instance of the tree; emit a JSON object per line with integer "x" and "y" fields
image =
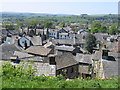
{"x": 95, "y": 27}
{"x": 20, "y": 25}
{"x": 103, "y": 29}
{"x": 113, "y": 30}
{"x": 90, "y": 42}
{"x": 62, "y": 24}
{"x": 33, "y": 25}
{"x": 8, "y": 26}
{"x": 48, "y": 24}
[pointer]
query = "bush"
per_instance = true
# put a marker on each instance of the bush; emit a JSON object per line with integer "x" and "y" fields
{"x": 18, "y": 77}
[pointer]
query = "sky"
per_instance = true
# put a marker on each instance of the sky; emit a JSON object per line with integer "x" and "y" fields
{"x": 75, "y": 7}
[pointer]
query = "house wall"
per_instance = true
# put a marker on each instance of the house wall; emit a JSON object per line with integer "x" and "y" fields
{"x": 53, "y": 34}
{"x": 98, "y": 69}
{"x": 70, "y": 72}
{"x": 65, "y": 37}
{"x": 10, "y": 40}
{"x": 41, "y": 68}
{"x": 22, "y": 40}
{"x": 84, "y": 70}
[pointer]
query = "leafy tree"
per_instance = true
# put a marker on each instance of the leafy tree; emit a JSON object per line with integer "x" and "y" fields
{"x": 20, "y": 25}
{"x": 103, "y": 29}
{"x": 33, "y": 25}
{"x": 48, "y": 24}
{"x": 8, "y": 26}
{"x": 95, "y": 27}
{"x": 113, "y": 30}
{"x": 62, "y": 24}
{"x": 90, "y": 42}
{"x": 94, "y": 30}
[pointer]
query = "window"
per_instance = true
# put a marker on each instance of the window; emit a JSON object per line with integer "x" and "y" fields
{"x": 22, "y": 41}
{"x": 9, "y": 41}
{"x": 59, "y": 72}
{"x": 72, "y": 70}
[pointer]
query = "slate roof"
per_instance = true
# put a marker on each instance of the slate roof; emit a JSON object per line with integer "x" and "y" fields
{"x": 67, "y": 59}
{"x": 38, "y": 50}
{"x": 64, "y": 48}
{"x": 36, "y": 40}
{"x": 22, "y": 54}
{"x": 115, "y": 55}
{"x": 11, "y": 32}
{"x": 101, "y": 36}
{"x": 47, "y": 44}
{"x": 79, "y": 39}
{"x": 63, "y": 41}
{"x": 34, "y": 58}
{"x": 8, "y": 50}
{"x": 97, "y": 56}
{"x": 116, "y": 47}
{"x": 63, "y": 31}
{"x": 110, "y": 68}
{"x": 81, "y": 58}
{"x": 53, "y": 30}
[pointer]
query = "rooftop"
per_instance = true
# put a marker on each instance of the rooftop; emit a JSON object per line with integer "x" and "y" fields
{"x": 65, "y": 48}
{"x": 38, "y": 50}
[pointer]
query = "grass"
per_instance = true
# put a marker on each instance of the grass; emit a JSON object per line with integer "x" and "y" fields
{"x": 14, "y": 77}
{"x": 56, "y": 82}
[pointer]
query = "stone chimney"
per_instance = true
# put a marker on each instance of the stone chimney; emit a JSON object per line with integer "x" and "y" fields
{"x": 25, "y": 45}
{"x": 16, "y": 41}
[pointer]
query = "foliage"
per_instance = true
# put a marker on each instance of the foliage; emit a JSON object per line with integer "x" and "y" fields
{"x": 62, "y": 24}
{"x": 32, "y": 20}
{"x": 19, "y": 77}
{"x": 20, "y": 24}
{"x": 113, "y": 30}
{"x": 90, "y": 42}
{"x": 95, "y": 27}
{"x": 103, "y": 29}
{"x": 32, "y": 24}
{"x": 48, "y": 24}
{"x": 8, "y": 26}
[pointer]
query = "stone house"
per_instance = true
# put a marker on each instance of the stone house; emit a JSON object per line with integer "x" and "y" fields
{"x": 62, "y": 49}
{"x": 12, "y": 39}
{"x": 60, "y": 34}
{"x": 53, "y": 33}
{"x": 43, "y": 59}
{"x": 24, "y": 42}
{"x": 105, "y": 64}
{"x": 72, "y": 66}
{"x": 36, "y": 40}
{"x": 71, "y": 40}
{"x": 7, "y": 50}
{"x": 30, "y": 41}
{"x": 45, "y": 53}
{"x": 101, "y": 37}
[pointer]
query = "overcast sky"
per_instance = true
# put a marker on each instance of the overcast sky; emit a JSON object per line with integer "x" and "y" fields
{"x": 76, "y": 7}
